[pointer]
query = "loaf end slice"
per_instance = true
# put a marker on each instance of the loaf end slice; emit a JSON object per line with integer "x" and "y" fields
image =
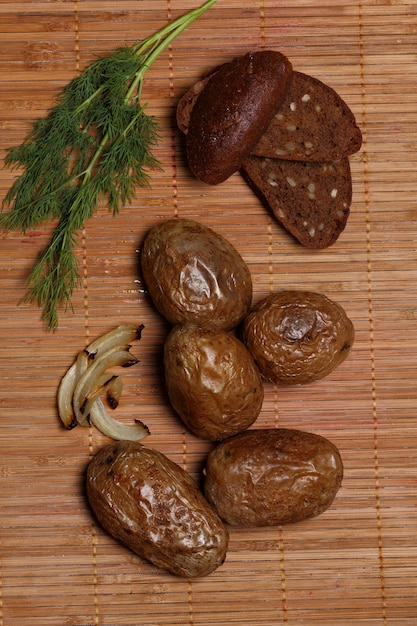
{"x": 313, "y": 123}
{"x": 232, "y": 112}
{"x": 310, "y": 200}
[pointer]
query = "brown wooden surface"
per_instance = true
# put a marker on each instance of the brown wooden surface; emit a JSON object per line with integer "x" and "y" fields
{"x": 357, "y": 563}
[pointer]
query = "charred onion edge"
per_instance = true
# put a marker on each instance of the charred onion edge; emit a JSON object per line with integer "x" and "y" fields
{"x": 100, "y": 387}
{"x": 114, "y": 389}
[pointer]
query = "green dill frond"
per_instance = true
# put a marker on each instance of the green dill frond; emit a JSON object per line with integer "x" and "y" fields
{"x": 96, "y": 143}
{"x": 55, "y": 274}
{"x": 126, "y": 164}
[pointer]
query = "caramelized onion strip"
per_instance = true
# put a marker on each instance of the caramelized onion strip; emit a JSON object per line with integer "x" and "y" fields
{"x": 64, "y": 396}
{"x": 121, "y": 336}
{"x": 113, "y": 428}
{"x": 88, "y": 380}
{"x": 79, "y": 393}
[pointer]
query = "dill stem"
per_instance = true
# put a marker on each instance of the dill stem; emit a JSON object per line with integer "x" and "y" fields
{"x": 87, "y": 174}
{"x": 163, "y": 39}
{"x": 180, "y": 24}
{"x": 158, "y": 42}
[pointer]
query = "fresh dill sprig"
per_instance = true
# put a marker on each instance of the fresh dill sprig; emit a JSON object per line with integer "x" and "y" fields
{"x": 96, "y": 143}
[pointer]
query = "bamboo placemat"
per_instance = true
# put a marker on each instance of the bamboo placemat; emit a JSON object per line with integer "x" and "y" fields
{"x": 355, "y": 564}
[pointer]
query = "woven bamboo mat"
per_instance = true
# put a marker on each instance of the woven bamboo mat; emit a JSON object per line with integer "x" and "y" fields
{"x": 355, "y": 564}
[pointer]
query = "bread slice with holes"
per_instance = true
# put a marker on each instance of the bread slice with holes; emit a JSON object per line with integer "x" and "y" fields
{"x": 311, "y": 200}
{"x": 313, "y": 123}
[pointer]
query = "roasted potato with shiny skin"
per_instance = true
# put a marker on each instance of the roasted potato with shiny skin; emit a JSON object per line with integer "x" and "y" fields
{"x": 195, "y": 275}
{"x": 212, "y": 381}
{"x": 272, "y": 476}
{"x": 297, "y": 337}
{"x": 150, "y": 504}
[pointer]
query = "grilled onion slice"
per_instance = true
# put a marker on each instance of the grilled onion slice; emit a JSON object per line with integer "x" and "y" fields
{"x": 102, "y": 384}
{"x": 80, "y": 390}
{"x": 88, "y": 380}
{"x": 121, "y": 336}
{"x": 64, "y": 397}
{"x": 109, "y": 385}
{"x": 113, "y": 428}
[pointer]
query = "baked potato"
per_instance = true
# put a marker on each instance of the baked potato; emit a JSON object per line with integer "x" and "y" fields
{"x": 155, "y": 508}
{"x": 195, "y": 275}
{"x": 297, "y": 337}
{"x": 212, "y": 381}
{"x": 268, "y": 477}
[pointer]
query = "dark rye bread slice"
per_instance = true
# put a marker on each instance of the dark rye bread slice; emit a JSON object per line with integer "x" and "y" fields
{"x": 310, "y": 200}
{"x": 313, "y": 123}
{"x": 232, "y": 112}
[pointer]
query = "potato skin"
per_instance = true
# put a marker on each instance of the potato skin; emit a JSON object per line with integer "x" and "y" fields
{"x": 297, "y": 337}
{"x": 212, "y": 381}
{"x": 232, "y": 112}
{"x": 272, "y": 476}
{"x": 194, "y": 274}
{"x": 155, "y": 508}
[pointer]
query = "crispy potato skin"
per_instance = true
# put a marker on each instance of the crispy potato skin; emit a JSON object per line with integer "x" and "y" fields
{"x": 273, "y": 476}
{"x": 212, "y": 381}
{"x": 194, "y": 274}
{"x": 297, "y": 337}
{"x": 151, "y": 505}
